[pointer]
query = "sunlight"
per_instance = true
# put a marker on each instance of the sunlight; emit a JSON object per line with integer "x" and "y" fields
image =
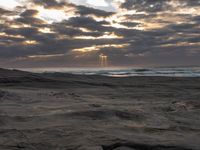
{"x": 30, "y": 42}
{"x": 110, "y": 36}
{"x": 45, "y": 56}
{"x": 9, "y": 4}
{"x": 51, "y": 15}
{"x": 103, "y": 60}
{"x": 98, "y": 47}
{"x": 105, "y": 36}
{"x": 101, "y": 3}
{"x": 86, "y": 49}
{"x": 2, "y": 34}
{"x": 45, "y": 30}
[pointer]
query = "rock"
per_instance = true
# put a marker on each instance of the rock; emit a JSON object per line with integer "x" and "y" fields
{"x": 124, "y": 148}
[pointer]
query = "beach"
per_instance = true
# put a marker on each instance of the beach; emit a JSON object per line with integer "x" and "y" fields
{"x": 61, "y": 111}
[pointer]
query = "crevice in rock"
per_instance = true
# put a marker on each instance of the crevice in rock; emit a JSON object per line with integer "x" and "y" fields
{"x": 136, "y": 146}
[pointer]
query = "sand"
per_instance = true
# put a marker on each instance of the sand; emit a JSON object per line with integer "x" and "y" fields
{"x": 57, "y": 111}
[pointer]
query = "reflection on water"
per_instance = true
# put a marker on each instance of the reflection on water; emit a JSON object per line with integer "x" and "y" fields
{"x": 125, "y": 72}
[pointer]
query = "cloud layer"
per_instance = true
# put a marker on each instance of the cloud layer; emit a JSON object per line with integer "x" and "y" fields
{"x": 49, "y": 33}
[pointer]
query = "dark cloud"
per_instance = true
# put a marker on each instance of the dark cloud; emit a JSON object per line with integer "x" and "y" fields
{"x": 193, "y": 3}
{"x": 26, "y": 31}
{"x": 82, "y": 10}
{"x": 50, "y": 3}
{"x": 184, "y": 27}
{"x": 146, "y": 5}
{"x": 29, "y": 13}
{"x": 29, "y": 17}
{"x": 86, "y": 22}
{"x": 167, "y": 38}
{"x": 31, "y": 21}
{"x": 130, "y": 24}
{"x": 4, "y": 11}
{"x": 63, "y": 29}
{"x": 196, "y": 19}
{"x": 154, "y": 6}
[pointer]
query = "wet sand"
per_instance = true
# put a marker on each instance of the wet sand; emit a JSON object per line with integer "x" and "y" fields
{"x": 72, "y": 112}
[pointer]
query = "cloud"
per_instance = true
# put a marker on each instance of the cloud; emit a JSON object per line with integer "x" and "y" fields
{"x": 50, "y": 3}
{"x": 130, "y": 24}
{"x": 4, "y": 11}
{"x": 138, "y": 33}
{"x": 146, "y": 5}
{"x": 153, "y": 6}
{"x": 82, "y": 10}
{"x": 31, "y": 21}
{"x": 192, "y": 3}
{"x": 29, "y": 13}
{"x": 86, "y": 22}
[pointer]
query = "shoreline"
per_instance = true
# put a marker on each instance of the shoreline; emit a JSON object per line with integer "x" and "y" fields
{"x": 78, "y": 112}
{"x": 125, "y": 72}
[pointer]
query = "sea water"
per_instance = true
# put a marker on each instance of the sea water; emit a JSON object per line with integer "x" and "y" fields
{"x": 126, "y": 72}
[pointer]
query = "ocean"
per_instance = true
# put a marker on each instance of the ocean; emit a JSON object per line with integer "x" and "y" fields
{"x": 127, "y": 72}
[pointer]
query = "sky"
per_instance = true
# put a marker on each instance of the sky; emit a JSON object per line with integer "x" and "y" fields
{"x": 74, "y": 33}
